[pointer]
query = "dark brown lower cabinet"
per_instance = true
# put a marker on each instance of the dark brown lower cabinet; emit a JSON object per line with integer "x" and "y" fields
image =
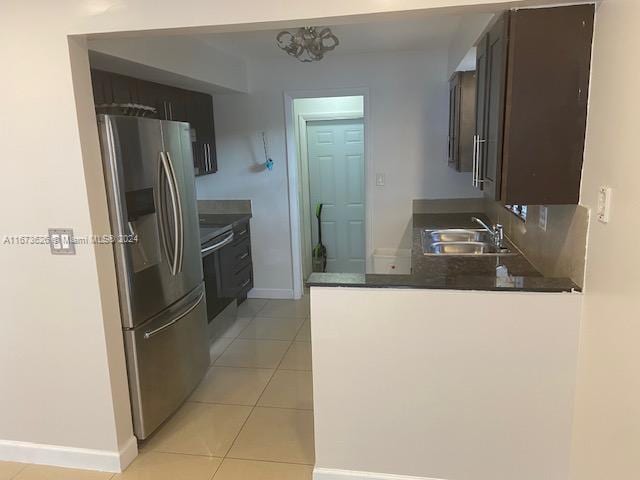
{"x": 462, "y": 107}
{"x": 533, "y": 69}
{"x": 236, "y": 264}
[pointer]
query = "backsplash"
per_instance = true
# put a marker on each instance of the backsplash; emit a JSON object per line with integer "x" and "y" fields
{"x": 224, "y": 206}
{"x": 557, "y": 252}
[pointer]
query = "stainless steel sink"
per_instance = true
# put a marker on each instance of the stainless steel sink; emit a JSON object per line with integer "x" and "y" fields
{"x": 459, "y": 235}
{"x": 457, "y": 241}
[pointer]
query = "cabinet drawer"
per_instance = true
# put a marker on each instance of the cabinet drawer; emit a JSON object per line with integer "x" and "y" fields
{"x": 238, "y": 282}
{"x": 241, "y": 232}
{"x": 235, "y": 256}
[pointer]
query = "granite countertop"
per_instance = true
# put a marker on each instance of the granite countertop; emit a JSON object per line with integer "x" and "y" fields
{"x": 217, "y": 219}
{"x": 214, "y": 224}
{"x": 452, "y": 272}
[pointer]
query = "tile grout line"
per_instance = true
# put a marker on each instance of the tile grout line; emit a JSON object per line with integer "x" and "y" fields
{"x": 233, "y": 339}
{"x": 269, "y": 461}
{"x": 199, "y": 455}
{"x": 22, "y": 469}
{"x": 254, "y": 406}
{"x": 263, "y": 390}
{"x": 217, "y": 469}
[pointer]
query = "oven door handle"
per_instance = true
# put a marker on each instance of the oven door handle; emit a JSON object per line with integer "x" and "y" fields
{"x": 218, "y": 245}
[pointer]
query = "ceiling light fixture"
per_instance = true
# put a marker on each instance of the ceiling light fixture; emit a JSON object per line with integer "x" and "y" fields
{"x": 307, "y": 44}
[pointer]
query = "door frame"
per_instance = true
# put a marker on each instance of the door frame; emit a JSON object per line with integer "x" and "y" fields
{"x": 295, "y": 176}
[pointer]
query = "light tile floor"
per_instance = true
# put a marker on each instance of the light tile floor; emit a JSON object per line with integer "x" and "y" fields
{"x": 251, "y": 418}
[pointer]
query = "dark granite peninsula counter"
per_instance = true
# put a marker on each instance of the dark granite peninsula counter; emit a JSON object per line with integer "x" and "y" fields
{"x": 453, "y": 272}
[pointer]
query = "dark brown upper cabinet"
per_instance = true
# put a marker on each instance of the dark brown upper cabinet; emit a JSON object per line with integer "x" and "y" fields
{"x": 462, "y": 97}
{"x": 170, "y": 103}
{"x": 533, "y": 69}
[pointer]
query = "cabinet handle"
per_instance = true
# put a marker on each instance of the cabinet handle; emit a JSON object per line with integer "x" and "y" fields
{"x": 243, "y": 256}
{"x": 208, "y": 156}
{"x": 475, "y": 160}
{"x": 164, "y": 106}
{"x": 478, "y": 162}
{"x": 243, "y": 232}
{"x": 171, "y": 110}
{"x": 246, "y": 282}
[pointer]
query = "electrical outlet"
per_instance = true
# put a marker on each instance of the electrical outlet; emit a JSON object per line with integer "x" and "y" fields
{"x": 542, "y": 219}
{"x": 380, "y": 179}
{"x": 604, "y": 204}
{"x": 61, "y": 241}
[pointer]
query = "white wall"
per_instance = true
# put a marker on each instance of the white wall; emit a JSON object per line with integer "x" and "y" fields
{"x": 64, "y": 393}
{"x": 451, "y": 385}
{"x": 186, "y": 58}
{"x": 607, "y": 423}
{"x": 408, "y": 115}
{"x": 469, "y": 30}
{"x": 315, "y": 106}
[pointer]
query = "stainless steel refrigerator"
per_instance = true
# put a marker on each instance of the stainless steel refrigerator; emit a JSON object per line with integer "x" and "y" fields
{"x": 151, "y": 194}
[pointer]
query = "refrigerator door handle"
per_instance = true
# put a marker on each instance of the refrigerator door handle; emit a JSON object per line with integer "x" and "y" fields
{"x": 150, "y": 333}
{"x": 166, "y": 172}
{"x": 180, "y": 216}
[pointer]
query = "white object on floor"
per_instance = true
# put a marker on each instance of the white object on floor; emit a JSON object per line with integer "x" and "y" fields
{"x": 392, "y": 260}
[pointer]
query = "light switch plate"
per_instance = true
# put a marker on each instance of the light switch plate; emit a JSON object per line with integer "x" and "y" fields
{"x": 380, "y": 179}
{"x": 61, "y": 241}
{"x": 542, "y": 219}
{"x": 604, "y": 204}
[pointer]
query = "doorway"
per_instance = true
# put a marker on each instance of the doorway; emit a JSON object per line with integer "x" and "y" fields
{"x": 327, "y": 134}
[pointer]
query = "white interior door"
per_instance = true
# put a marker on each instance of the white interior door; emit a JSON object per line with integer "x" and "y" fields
{"x": 336, "y": 179}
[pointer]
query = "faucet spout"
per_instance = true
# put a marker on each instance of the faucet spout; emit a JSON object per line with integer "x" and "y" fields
{"x": 496, "y": 231}
{"x": 482, "y": 224}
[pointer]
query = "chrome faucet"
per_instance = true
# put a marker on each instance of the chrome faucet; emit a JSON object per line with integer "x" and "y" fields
{"x": 496, "y": 231}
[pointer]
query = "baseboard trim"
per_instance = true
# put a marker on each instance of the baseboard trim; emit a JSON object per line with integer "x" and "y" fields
{"x": 336, "y": 474}
{"x": 277, "y": 293}
{"x": 70, "y": 457}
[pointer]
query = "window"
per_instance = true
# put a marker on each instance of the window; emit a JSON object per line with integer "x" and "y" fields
{"x": 519, "y": 210}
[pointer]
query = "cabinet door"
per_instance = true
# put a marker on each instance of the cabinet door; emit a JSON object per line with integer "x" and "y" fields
{"x": 454, "y": 120}
{"x": 122, "y": 89}
{"x": 193, "y": 114}
{"x": 546, "y": 104}
{"x": 98, "y": 80}
{"x": 149, "y": 95}
{"x": 209, "y": 127}
{"x": 494, "y": 127}
{"x": 177, "y": 99}
{"x": 481, "y": 111}
{"x": 466, "y": 121}
{"x": 201, "y": 119}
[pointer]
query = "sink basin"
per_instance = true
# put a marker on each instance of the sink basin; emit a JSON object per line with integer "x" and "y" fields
{"x": 457, "y": 241}
{"x": 459, "y": 235}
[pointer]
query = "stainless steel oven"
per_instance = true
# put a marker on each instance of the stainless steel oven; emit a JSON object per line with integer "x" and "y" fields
{"x": 213, "y": 239}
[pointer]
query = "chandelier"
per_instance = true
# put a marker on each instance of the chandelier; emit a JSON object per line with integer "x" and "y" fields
{"x": 307, "y": 44}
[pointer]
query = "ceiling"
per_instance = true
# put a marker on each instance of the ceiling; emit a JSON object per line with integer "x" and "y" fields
{"x": 381, "y": 36}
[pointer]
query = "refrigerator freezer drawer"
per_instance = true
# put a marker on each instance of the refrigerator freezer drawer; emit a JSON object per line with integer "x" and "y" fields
{"x": 166, "y": 359}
